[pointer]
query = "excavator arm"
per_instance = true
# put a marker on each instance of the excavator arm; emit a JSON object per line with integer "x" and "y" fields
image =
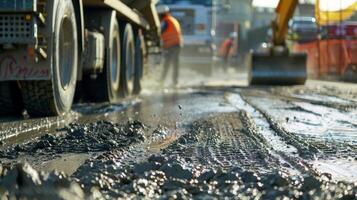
{"x": 276, "y": 65}
{"x": 284, "y": 12}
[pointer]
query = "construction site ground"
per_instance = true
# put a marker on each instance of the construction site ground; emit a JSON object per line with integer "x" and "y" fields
{"x": 210, "y": 138}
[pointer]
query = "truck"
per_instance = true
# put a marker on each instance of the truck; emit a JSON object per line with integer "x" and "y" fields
{"x": 197, "y": 24}
{"x": 54, "y": 50}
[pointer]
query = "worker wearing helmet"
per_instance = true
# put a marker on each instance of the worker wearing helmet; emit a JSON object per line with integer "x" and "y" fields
{"x": 226, "y": 49}
{"x": 172, "y": 41}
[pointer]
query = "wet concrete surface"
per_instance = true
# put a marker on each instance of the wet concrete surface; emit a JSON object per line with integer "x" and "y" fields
{"x": 201, "y": 142}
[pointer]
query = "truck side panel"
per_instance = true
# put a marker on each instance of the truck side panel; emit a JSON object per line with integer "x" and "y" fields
{"x": 141, "y": 13}
{"x": 19, "y": 65}
{"x": 30, "y": 60}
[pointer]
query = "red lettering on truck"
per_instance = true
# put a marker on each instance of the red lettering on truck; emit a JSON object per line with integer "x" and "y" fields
{"x": 9, "y": 68}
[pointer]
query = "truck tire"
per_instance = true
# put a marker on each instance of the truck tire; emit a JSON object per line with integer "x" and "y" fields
{"x": 10, "y": 99}
{"x": 55, "y": 97}
{"x": 128, "y": 61}
{"x": 105, "y": 88}
{"x": 139, "y": 62}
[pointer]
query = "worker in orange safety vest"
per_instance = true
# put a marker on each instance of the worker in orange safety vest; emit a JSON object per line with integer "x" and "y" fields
{"x": 227, "y": 49}
{"x": 172, "y": 42}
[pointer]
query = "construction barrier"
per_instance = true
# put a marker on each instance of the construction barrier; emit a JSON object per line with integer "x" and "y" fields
{"x": 328, "y": 57}
{"x": 337, "y": 47}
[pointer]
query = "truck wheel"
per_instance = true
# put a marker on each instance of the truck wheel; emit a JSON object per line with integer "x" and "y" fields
{"x": 10, "y": 99}
{"x": 128, "y": 61}
{"x": 105, "y": 88}
{"x": 55, "y": 97}
{"x": 139, "y": 62}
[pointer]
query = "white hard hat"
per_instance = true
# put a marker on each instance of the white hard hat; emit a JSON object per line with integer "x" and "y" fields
{"x": 233, "y": 35}
{"x": 162, "y": 9}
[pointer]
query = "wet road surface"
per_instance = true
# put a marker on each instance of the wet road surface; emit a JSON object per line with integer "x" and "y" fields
{"x": 193, "y": 142}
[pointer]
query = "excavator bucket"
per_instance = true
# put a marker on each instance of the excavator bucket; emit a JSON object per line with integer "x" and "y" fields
{"x": 283, "y": 69}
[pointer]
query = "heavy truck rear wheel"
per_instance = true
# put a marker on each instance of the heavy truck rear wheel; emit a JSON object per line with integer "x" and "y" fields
{"x": 140, "y": 49}
{"x": 55, "y": 97}
{"x": 128, "y": 61}
{"x": 105, "y": 88}
{"x": 10, "y": 98}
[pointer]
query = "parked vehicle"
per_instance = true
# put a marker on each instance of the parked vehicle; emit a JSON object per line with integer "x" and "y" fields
{"x": 303, "y": 29}
{"x": 47, "y": 47}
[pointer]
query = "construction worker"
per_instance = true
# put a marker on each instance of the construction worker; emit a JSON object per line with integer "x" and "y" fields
{"x": 172, "y": 42}
{"x": 226, "y": 50}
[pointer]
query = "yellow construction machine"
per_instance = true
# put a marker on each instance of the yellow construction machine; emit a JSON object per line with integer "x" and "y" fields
{"x": 276, "y": 65}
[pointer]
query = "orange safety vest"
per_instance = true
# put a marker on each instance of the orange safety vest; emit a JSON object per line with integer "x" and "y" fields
{"x": 225, "y": 48}
{"x": 172, "y": 35}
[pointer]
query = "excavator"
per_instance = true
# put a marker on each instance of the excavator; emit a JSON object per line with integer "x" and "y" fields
{"x": 276, "y": 65}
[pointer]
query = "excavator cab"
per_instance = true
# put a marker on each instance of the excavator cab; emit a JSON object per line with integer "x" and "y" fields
{"x": 277, "y": 65}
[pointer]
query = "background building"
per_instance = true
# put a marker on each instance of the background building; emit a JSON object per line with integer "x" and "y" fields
{"x": 234, "y": 16}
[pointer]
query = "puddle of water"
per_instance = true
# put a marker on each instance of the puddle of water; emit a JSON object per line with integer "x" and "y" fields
{"x": 341, "y": 169}
{"x": 329, "y": 123}
{"x": 67, "y": 163}
{"x": 97, "y": 109}
{"x": 19, "y": 131}
{"x": 333, "y": 129}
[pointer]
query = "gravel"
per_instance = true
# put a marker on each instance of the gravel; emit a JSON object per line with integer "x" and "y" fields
{"x": 81, "y": 138}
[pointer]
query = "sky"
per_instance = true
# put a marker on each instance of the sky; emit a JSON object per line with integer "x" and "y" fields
{"x": 265, "y": 3}
{"x": 274, "y": 3}
{"x": 330, "y": 5}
